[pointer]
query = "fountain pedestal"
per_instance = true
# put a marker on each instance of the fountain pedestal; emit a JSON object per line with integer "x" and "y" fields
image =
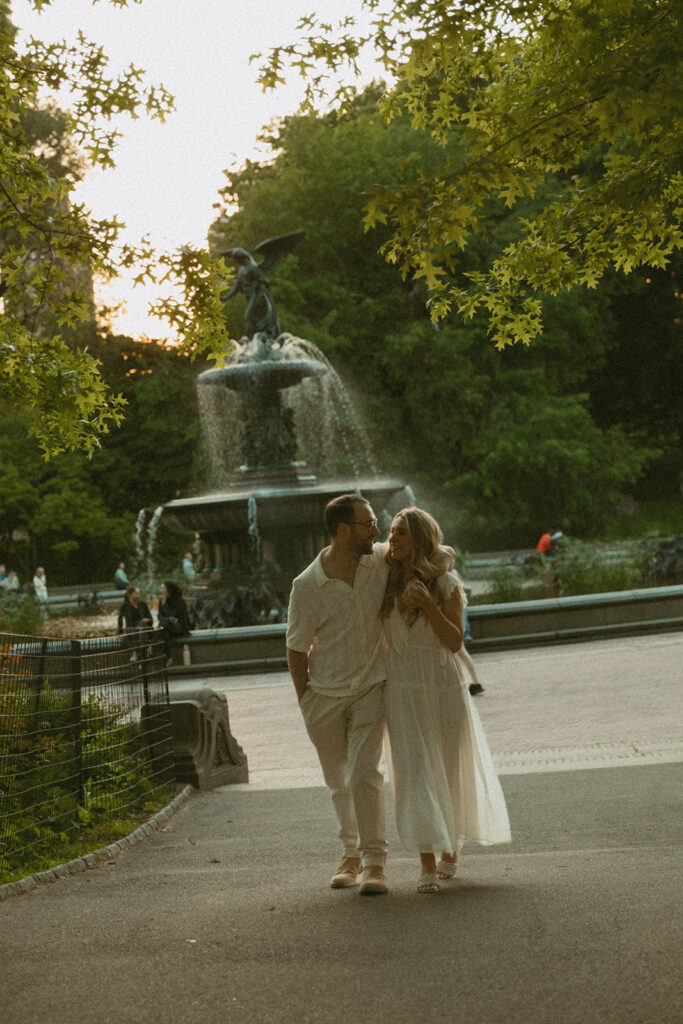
{"x": 289, "y": 519}
{"x": 272, "y": 512}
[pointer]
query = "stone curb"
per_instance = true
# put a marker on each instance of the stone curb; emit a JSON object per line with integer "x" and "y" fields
{"x": 92, "y": 860}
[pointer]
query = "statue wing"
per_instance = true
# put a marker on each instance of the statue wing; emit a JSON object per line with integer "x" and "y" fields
{"x": 275, "y": 249}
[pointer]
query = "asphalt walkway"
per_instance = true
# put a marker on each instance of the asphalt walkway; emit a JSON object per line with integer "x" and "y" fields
{"x": 225, "y": 914}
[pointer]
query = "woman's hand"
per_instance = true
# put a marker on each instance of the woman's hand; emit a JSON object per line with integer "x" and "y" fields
{"x": 416, "y": 594}
{"x": 447, "y": 621}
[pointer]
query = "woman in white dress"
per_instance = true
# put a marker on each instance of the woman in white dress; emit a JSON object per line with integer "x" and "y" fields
{"x": 445, "y": 787}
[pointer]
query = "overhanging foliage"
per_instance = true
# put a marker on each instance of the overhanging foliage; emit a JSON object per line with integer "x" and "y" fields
{"x": 587, "y": 92}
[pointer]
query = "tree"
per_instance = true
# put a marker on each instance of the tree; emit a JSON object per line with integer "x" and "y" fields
{"x": 447, "y": 412}
{"x": 578, "y": 94}
{"x": 318, "y": 179}
{"x": 639, "y": 383}
{"x": 45, "y": 235}
{"x": 76, "y": 516}
{"x": 152, "y": 457}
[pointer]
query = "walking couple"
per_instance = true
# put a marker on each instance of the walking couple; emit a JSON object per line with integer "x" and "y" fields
{"x": 372, "y": 637}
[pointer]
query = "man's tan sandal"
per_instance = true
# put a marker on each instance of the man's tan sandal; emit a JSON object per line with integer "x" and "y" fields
{"x": 374, "y": 880}
{"x": 346, "y": 874}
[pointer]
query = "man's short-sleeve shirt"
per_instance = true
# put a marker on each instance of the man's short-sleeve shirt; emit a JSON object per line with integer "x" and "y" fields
{"x": 339, "y": 626}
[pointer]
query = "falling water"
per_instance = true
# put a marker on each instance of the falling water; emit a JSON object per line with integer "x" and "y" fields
{"x": 328, "y": 424}
{"x": 151, "y": 539}
{"x": 402, "y": 499}
{"x": 220, "y": 433}
{"x": 254, "y": 532}
{"x": 140, "y": 535}
{"x": 332, "y": 439}
{"x": 280, "y": 433}
{"x": 384, "y": 522}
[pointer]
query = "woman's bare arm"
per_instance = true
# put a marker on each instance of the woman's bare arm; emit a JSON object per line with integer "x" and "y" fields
{"x": 448, "y": 622}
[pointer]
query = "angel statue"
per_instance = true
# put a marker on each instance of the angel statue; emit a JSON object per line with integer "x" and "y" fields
{"x": 252, "y": 279}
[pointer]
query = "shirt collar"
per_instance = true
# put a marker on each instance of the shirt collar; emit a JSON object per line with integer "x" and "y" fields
{"x": 321, "y": 577}
{"x": 319, "y": 574}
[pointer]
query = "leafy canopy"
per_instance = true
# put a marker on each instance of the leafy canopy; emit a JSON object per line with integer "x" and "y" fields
{"x": 581, "y": 92}
{"x": 51, "y": 245}
{"x": 45, "y": 235}
{"x": 497, "y": 443}
{"x": 76, "y": 516}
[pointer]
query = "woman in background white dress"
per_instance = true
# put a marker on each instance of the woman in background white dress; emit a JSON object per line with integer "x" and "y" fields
{"x": 445, "y": 787}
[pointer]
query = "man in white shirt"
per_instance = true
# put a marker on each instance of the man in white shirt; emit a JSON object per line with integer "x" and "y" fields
{"x": 335, "y": 653}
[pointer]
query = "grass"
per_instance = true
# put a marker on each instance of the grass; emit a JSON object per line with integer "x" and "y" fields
{"x": 92, "y": 838}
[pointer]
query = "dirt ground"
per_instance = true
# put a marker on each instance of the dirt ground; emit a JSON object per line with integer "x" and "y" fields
{"x": 73, "y": 627}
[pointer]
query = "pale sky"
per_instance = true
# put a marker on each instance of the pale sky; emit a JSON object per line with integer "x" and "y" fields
{"x": 167, "y": 175}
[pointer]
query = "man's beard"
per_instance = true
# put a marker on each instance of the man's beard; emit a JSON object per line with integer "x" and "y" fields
{"x": 366, "y": 547}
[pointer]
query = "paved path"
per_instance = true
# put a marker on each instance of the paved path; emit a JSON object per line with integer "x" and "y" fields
{"x": 599, "y": 704}
{"x": 225, "y": 915}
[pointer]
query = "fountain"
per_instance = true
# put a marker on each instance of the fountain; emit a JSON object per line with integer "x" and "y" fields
{"x": 271, "y": 511}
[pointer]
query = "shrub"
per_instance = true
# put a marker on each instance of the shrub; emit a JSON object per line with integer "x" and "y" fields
{"x": 580, "y": 568}
{"x": 664, "y": 562}
{"x": 506, "y": 585}
{"x": 52, "y": 790}
{"x": 19, "y": 613}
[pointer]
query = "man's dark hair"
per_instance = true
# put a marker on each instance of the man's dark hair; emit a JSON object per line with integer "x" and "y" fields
{"x": 341, "y": 510}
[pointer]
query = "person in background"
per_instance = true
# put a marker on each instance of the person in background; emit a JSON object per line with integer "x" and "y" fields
{"x": 134, "y": 613}
{"x": 12, "y": 581}
{"x": 187, "y": 566}
{"x": 40, "y": 584}
{"x": 173, "y": 616}
{"x": 548, "y": 542}
{"x": 40, "y": 589}
{"x": 121, "y": 581}
{"x": 545, "y": 544}
{"x": 3, "y": 577}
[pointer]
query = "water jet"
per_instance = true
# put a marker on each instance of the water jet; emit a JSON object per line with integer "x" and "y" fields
{"x": 273, "y": 395}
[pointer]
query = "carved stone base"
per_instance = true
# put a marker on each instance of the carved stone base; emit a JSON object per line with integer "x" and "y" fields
{"x": 206, "y": 753}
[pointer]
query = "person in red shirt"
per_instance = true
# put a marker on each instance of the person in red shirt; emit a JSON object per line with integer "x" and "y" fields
{"x": 544, "y": 545}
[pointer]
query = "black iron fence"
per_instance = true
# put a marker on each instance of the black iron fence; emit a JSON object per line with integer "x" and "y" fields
{"x": 85, "y": 738}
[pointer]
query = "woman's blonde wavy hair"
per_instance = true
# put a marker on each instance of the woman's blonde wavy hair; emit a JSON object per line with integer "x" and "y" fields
{"x": 431, "y": 558}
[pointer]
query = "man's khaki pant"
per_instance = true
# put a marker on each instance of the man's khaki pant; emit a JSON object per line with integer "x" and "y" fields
{"x": 347, "y": 733}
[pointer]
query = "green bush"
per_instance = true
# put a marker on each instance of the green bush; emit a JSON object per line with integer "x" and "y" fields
{"x": 663, "y": 562}
{"x": 581, "y": 568}
{"x": 507, "y": 584}
{"x": 19, "y": 613}
{"x": 645, "y": 519}
{"x": 44, "y": 801}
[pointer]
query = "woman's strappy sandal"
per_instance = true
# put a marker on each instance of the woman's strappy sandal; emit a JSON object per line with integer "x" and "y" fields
{"x": 428, "y": 884}
{"x": 446, "y": 868}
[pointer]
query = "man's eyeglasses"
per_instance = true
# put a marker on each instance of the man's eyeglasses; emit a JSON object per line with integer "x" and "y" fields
{"x": 371, "y": 523}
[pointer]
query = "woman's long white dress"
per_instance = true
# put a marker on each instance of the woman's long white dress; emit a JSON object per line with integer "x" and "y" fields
{"x": 446, "y": 790}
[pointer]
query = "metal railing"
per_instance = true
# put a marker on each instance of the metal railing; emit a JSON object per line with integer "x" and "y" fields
{"x": 85, "y": 737}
